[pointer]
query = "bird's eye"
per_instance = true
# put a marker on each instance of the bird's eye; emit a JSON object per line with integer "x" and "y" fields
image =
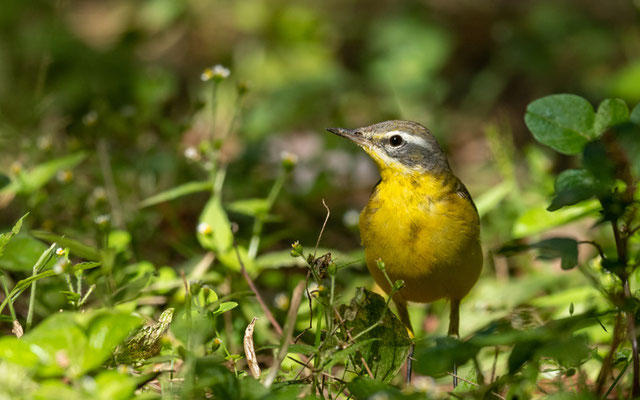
{"x": 395, "y": 140}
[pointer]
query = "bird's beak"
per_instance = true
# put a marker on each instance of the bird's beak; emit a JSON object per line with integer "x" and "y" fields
{"x": 354, "y": 135}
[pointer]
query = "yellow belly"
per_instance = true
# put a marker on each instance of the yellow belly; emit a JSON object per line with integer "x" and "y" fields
{"x": 426, "y": 235}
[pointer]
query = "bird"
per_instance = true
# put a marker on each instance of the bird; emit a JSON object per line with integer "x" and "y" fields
{"x": 420, "y": 221}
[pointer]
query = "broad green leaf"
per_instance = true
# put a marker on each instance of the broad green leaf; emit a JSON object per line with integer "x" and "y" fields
{"x": 119, "y": 240}
{"x": 563, "y": 122}
{"x": 58, "y": 336}
{"x": 230, "y": 259}
{"x": 217, "y": 235}
{"x": 611, "y": 112}
{"x": 538, "y": 219}
{"x": 39, "y": 175}
{"x": 17, "y": 351}
{"x": 388, "y": 352}
{"x": 105, "y": 331}
{"x": 5, "y": 237}
{"x": 113, "y": 385}
{"x": 438, "y": 358}
{"x": 21, "y": 253}
{"x": 76, "y": 247}
{"x": 176, "y": 192}
{"x": 86, "y": 340}
{"x": 573, "y": 186}
{"x": 250, "y": 207}
{"x": 560, "y": 247}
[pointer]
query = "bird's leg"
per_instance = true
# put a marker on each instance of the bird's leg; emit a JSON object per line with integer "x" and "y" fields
{"x": 454, "y": 324}
{"x": 403, "y": 313}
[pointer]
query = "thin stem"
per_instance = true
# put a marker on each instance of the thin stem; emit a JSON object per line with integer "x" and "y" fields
{"x": 258, "y": 223}
{"x": 42, "y": 261}
{"x": 254, "y": 289}
{"x": 6, "y": 293}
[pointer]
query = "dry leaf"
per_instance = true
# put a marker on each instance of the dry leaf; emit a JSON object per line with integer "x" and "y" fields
{"x": 17, "y": 329}
{"x": 249, "y": 351}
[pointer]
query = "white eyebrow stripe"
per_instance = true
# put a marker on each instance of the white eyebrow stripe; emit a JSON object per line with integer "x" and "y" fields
{"x": 410, "y": 138}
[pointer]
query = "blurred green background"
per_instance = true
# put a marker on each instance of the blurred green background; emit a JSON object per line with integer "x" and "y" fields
{"x": 121, "y": 81}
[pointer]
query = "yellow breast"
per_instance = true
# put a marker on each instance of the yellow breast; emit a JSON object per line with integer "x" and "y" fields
{"x": 426, "y": 230}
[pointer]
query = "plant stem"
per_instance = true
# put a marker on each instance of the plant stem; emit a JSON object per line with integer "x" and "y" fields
{"x": 42, "y": 261}
{"x": 258, "y": 223}
{"x": 6, "y": 293}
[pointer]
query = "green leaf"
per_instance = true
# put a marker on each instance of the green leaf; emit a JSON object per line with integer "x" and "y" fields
{"x": 176, "y": 192}
{"x": 86, "y": 340}
{"x": 220, "y": 238}
{"x": 76, "y": 247}
{"x": 119, "y": 240}
{"x": 538, "y": 219}
{"x": 21, "y": 253}
{"x": 559, "y": 247}
{"x": 573, "y": 186}
{"x": 388, "y": 352}
{"x": 39, "y": 175}
{"x": 18, "y": 352}
{"x": 563, "y": 122}
{"x": 224, "y": 307}
{"x": 5, "y": 237}
{"x": 113, "y": 385}
{"x": 611, "y": 112}
{"x": 105, "y": 331}
{"x": 250, "y": 207}
{"x": 439, "y": 358}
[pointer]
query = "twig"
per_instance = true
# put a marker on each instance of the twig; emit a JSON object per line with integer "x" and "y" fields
{"x": 254, "y": 289}
{"x": 290, "y": 324}
{"x": 323, "y": 226}
{"x": 618, "y": 333}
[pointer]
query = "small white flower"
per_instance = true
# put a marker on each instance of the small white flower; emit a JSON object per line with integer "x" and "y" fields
{"x": 65, "y": 176}
{"x": 102, "y": 219}
{"x": 44, "y": 142}
{"x": 289, "y": 160}
{"x": 217, "y": 73}
{"x": 191, "y": 153}
{"x": 60, "y": 251}
{"x": 281, "y": 301}
{"x": 90, "y": 118}
{"x": 99, "y": 193}
{"x": 204, "y": 228}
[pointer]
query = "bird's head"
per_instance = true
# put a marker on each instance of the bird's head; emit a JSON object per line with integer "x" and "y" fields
{"x": 399, "y": 147}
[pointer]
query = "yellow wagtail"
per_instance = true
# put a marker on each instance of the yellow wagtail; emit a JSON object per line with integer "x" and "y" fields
{"x": 420, "y": 220}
